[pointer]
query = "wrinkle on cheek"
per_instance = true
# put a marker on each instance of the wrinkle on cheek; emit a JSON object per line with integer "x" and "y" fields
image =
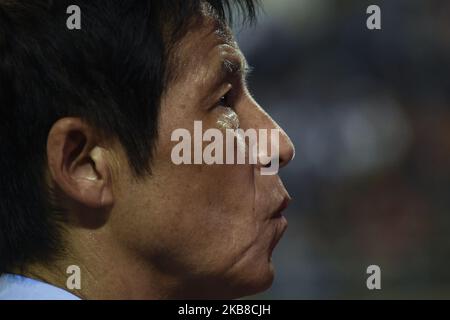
{"x": 228, "y": 120}
{"x": 254, "y": 193}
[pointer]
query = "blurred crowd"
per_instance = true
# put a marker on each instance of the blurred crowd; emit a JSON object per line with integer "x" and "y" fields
{"x": 369, "y": 114}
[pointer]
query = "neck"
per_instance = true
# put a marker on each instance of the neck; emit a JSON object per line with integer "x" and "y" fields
{"x": 106, "y": 272}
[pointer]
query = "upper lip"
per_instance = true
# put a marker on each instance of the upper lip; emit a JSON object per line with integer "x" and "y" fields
{"x": 283, "y": 205}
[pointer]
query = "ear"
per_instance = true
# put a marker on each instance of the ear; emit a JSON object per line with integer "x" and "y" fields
{"x": 78, "y": 164}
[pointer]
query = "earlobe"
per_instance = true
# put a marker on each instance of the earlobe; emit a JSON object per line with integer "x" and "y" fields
{"x": 78, "y": 165}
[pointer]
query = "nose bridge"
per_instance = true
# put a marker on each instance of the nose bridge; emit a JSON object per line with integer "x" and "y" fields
{"x": 260, "y": 119}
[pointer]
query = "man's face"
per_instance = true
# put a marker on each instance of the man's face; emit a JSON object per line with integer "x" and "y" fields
{"x": 211, "y": 228}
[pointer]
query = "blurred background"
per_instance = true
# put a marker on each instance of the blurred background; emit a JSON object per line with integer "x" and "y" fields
{"x": 369, "y": 114}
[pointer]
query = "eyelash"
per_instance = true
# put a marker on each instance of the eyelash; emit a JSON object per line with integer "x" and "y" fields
{"x": 224, "y": 101}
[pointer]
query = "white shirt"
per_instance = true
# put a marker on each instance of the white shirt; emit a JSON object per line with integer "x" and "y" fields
{"x": 15, "y": 287}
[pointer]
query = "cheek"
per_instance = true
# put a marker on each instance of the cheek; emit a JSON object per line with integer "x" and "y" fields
{"x": 219, "y": 198}
{"x": 212, "y": 216}
{"x": 206, "y": 213}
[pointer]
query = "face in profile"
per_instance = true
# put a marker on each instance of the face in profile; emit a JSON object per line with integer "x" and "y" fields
{"x": 211, "y": 228}
{"x": 88, "y": 118}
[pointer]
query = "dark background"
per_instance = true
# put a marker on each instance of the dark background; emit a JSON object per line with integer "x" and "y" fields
{"x": 369, "y": 114}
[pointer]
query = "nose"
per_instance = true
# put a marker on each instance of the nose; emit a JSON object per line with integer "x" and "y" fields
{"x": 287, "y": 149}
{"x": 258, "y": 118}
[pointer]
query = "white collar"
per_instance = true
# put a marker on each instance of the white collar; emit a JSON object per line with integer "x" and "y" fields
{"x": 15, "y": 287}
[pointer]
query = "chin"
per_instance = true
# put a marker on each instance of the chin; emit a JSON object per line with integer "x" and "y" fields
{"x": 255, "y": 280}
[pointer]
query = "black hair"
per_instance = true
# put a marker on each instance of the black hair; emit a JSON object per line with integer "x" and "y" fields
{"x": 111, "y": 73}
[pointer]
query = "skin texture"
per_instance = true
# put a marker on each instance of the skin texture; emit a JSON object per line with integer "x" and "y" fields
{"x": 187, "y": 231}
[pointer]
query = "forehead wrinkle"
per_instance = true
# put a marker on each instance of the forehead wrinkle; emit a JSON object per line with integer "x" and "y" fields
{"x": 212, "y": 34}
{"x": 224, "y": 33}
{"x": 208, "y": 56}
{"x": 217, "y": 25}
{"x": 204, "y": 35}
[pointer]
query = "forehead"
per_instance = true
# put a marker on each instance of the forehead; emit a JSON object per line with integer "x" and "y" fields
{"x": 207, "y": 46}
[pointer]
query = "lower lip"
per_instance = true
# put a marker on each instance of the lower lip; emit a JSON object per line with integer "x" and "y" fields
{"x": 283, "y": 222}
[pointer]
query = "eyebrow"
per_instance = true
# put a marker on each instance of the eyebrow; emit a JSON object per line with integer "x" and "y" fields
{"x": 232, "y": 68}
{"x": 235, "y": 66}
